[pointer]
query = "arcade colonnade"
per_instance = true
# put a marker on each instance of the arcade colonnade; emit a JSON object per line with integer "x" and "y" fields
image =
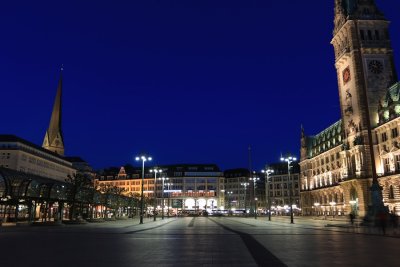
{"x": 27, "y": 197}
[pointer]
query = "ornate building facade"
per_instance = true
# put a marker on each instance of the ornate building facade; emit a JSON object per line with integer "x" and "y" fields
{"x": 337, "y": 165}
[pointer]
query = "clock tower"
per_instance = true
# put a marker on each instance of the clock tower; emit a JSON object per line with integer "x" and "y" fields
{"x": 365, "y": 69}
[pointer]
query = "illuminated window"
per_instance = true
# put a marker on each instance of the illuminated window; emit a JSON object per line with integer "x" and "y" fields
{"x": 397, "y": 159}
{"x": 395, "y": 132}
{"x": 386, "y": 114}
{"x": 397, "y": 109}
{"x": 387, "y": 165}
{"x": 384, "y": 137}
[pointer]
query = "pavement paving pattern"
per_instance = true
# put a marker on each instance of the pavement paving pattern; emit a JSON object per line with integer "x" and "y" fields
{"x": 197, "y": 241}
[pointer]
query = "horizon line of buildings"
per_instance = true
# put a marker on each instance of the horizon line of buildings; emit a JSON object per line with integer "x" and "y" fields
{"x": 189, "y": 186}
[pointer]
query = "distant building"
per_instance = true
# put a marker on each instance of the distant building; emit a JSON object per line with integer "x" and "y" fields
{"x": 129, "y": 183}
{"x": 196, "y": 186}
{"x": 189, "y": 187}
{"x": 237, "y": 196}
{"x": 81, "y": 166}
{"x": 279, "y": 185}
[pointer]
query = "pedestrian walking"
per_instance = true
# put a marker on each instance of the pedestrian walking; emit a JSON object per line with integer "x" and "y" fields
{"x": 394, "y": 219}
{"x": 352, "y": 218}
{"x": 382, "y": 221}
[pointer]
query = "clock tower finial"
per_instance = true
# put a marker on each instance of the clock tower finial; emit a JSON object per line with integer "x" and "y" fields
{"x": 53, "y": 139}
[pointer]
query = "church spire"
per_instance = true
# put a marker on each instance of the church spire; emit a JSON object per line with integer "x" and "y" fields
{"x": 53, "y": 139}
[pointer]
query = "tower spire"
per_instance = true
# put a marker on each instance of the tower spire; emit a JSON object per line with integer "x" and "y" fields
{"x": 53, "y": 139}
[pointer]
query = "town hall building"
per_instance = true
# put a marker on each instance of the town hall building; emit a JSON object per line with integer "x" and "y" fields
{"x": 338, "y": 167}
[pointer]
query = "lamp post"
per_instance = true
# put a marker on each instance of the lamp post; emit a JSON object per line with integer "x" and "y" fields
{"x": 289, "y": 160}
{"x": 267, "y": 172}
{"x": 143, "y": 159}
{"x": 229, "y": 201}
{"x": 254, "y": 180}
{"x": 155, "y": 170}
{"x": 168, "y": 184}
{"x": 245, "y": 185}
{"x": 333, "y": 203}
{"x": 316, "y": 205}
{"x": 163, "y": 179}
{"x": 222, "y": 199}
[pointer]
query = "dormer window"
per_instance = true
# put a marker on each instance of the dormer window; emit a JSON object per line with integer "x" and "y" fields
{"x": 377, "y": 37}
{"x": 362, "y": 34}
{"x": 369, "y": 35}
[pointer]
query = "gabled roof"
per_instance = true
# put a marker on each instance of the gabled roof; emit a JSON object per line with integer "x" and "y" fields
{"x": 327, "y": 139}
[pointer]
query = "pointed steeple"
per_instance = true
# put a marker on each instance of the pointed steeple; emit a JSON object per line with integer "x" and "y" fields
{"x": 53, "y": 139}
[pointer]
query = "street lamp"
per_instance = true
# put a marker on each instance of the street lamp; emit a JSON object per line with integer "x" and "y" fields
{"x": 316, "y": 205}
{"x": 254, "y": 180}
{"x": 267, "y": 172}
{"x": 245, "y": 185}
{"x": 289, "y": 160}
{"x": 143, "y": 159}
{"x": 229, "y": 201}
{"x": 168, "y": 184}
{"x": 333, "y": 203}
{"x": 155, "y": 170}
{"x": 163, "y": 179}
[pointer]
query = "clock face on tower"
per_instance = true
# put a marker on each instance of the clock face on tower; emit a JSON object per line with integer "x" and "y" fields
{"x": 375, "y": 67}
{"x": 346, "y": 75}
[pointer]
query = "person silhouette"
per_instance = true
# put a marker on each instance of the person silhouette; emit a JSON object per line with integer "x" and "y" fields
{"x": 352, "y": 218}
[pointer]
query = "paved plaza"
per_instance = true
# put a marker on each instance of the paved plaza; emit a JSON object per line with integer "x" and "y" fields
{"x": 199, "y": 241}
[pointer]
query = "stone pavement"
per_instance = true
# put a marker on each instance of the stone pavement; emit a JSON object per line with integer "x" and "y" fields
{"x": 197, "y": 241}
{"x": 339, "y": 224}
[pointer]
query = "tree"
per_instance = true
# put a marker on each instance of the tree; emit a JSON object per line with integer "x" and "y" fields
{"x": 135, "y": 199}
{"x": 78, "y": 183}
{"x": 112, "y": 192}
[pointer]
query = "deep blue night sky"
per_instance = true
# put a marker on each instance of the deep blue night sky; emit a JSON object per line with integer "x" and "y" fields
{"x": 187, "y": 81}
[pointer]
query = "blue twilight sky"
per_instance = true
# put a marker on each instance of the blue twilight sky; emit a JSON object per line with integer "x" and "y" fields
{"x": 186, "y": 81}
